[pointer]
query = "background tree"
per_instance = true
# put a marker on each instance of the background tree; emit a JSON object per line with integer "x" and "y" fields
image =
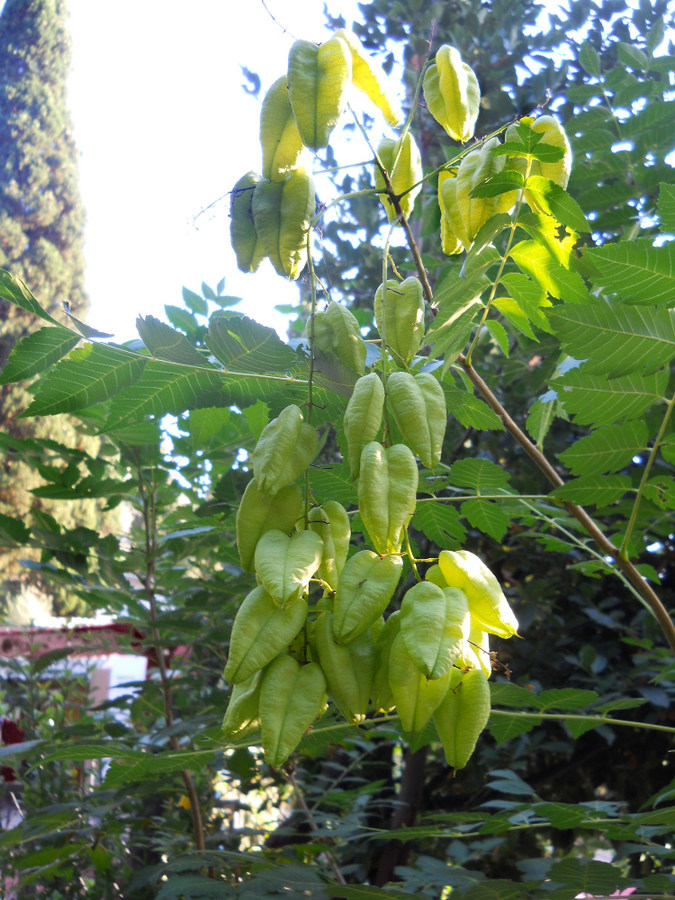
{"x": 41, "y": 234}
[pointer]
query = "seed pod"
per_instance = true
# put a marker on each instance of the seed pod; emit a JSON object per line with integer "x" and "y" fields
{"x": 452, "y": 93}
{"x": 363, "y": 417}
{"x": 383, "y": 699}
{"x": 261, "y": 630}
{"x": 284, "y": 450}
{"x": 489, "y": 608}
{"x": 387, "y": 494}
{"x": 553, "y": 134}
{"x": 282, "y": 214}
{"x": 418, "y": 405}
{"x": 279, "y": 135}
{"x": 291, "y": 698}
{"x": 331, "y": 523}
{"x": 476, "y": 166}
{"x": 366, "y": 586}
{"x": 367, "y": 79}
{"x": 241, "y": 716}
{"x": 318, "y": 78}
{"x": 476, "y": 652}
{"x": 416, "y": 696}
{"x": 284, "y": 565}
{"x": 435, "y": 625}
{"x": 462, "y": 715}
{"x": 336, "y": 331}
{"x": 399, "y": 316}
{"x": 244, "y": 238}
{"x": 259, "y": 513}
{"x": 349, "y": 668}
{"x": 405, "y": 175}
{"x": 453, "y": 233}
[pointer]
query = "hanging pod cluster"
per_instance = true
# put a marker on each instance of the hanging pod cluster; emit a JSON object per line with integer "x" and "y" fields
{"x": 271, "y": 213}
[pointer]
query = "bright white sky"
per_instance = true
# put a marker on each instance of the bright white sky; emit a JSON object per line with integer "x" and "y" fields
{"x": 164, "y": 129}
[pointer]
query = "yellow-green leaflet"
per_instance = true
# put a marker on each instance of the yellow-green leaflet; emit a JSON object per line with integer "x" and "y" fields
{"x": 405, "y": 175}
{"x": 387, "y": 494}
{"x": 284, "y": 565}
{"x": 489, "y": 608}
{"x": 452, "y": 93}
{"x": 349, "y": 668}
{"x": 336, "y": 331}
{"x": 399, "y": 316}
{"x": 244, "y": 238}
{"x": 331, "y": 523}
{"x": 291, "y": 698}
{"x": 418, "y": 405}
{"x": 366, "y": 586}
{"x": 554, "y": 134}
{"x": 279, "y": 136}
{"x": 474, "y": 169}
{"x": 434, "y": 624}
{"x": 285, "y": 448}
{"x": 363, "y": 417}
{"x": 282, "y": 214}
{"x": 318, "y": 78}
{"x": 260, "y": 512}
{"x": 241, "y": 716}
{"x": 261, "y": 630}
{"x": 462, "y": 715}
{"x": 367, "y": 79}
{"x": 416, "y": 696}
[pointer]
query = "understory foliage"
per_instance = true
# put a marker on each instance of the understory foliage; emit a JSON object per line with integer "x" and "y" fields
{"x": 551, "y": 333}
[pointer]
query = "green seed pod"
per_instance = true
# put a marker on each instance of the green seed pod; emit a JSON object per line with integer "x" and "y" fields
{"x": 366, "y": 586}
{"x": 261, "y": 630}
{"x": 336, "y": 331}
{"x": 259, "y": 513}
{"x": 318, "y": 78}
{"x": 387, "y": 494}
{"x": 415, "y": 695}
{"x": 452, "y": 93}
{"x": 282, "y": 214}
{"x": 476, "y": 166}
{"x": 405, "y": 176}
{"x": 453, "y": 233}
{"x": 399, "y": 316}
{"x": 489, "y": 608}
{"x": 476, "y": 652}
{"x": 291, "y": 698}
{"x": 241, "y": 716}
{"x": 284, "y": 565}
{"x": 435, "y": 624}
{"x": 284, "y": 450}
{"x": 244, "y": 238}
{"x": 279, "y": 135}
{"x": 367, "y": 79}
{"x": 418, "y": 406}
{"x": 363, "y": 417}
{"x": 349, "y": 668}
{"x": 331, "y": 523}
{"x": 462, "y": 715}
{"x": 383, "y": 699}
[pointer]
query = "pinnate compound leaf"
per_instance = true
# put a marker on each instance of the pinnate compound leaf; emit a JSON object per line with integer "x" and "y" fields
{"x": 596, "y": 400}
{"x": 441, "y": 523}
{"x": 616, "y": 339}
{"x": 487, "y": 516}
{"x": 37, "y": 352}
{"x": 606, "y": 450}
{"x": 243, "y": 345}
{"x": 594, "y": 490}
{"x": 481, "y": 474}
{"x": 637, "y": 271}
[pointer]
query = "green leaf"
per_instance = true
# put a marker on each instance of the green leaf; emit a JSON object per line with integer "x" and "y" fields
{"x": 499, "y": 335}
{"x": 524, "y": 306}
{"x": 535, "y": 260}
{"x": 565, "y": 698}
{"x": 555, "y": 201}
{"x": 482, "y": 475}
{"x": 606, "y": 450}
{"x": 487, "y": 516}
{"x": 539, "y": 420}
{"x": 503, "y": 726}
{"x": 458, "y": 302}
{"x": 155, "y": 765}
{"x": 15, "y": 291}
{"x": 499, "y": 184}
{"x": 90, "y": 374}
{"x": 181, "y": 318}
{"x": 13, "y": 532}
{"x": 470, "y": 411}
{"x": 595, "y": 400}
{"x": 333, "y": 483}
{"x": 588, "y": 877}
{"x": 594, "y": 490}
{"x": 194, "y": 302}
{"x": 666, "y": 207}
{"x": 632, "y": 56}
{"x": 616, "y": 339}
{"x": 441, "y": 523}
{"x": 165, "y": 342}
{"x": 37, "y": 352}
{"x": 636, "y": 270}
{"x": 243, "y": 345}
{"x": 589, "y": 59}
